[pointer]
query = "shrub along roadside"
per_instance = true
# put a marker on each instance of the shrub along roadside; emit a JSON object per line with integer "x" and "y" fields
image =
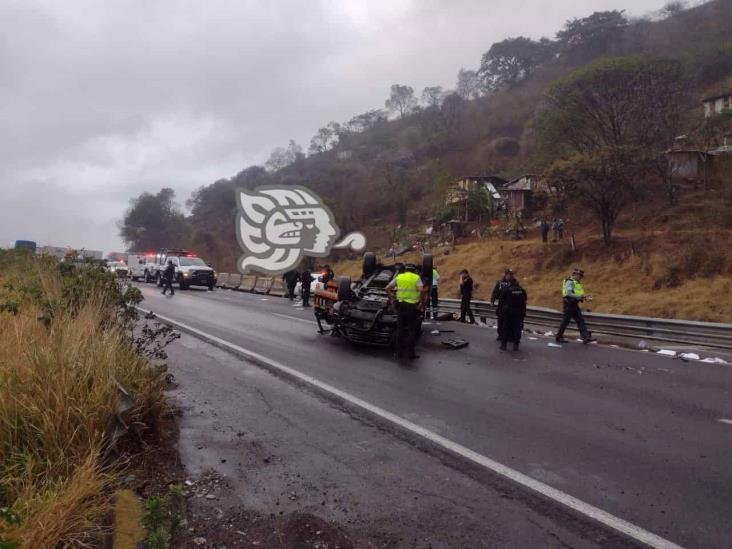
{"x": 67, "y": 342}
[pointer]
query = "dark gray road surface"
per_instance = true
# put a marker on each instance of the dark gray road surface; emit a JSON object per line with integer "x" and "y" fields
{"x": 282, "y": 450}
{"x": 634, "y": 434}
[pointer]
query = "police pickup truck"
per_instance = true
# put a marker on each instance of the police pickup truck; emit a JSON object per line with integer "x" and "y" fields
{"x": 190, "y": 270}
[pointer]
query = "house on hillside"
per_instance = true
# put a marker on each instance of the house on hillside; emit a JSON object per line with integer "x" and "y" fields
{"x": 716, "y": 103}
{"x": 518, "y": 193}
{"x": 688, "y": 165}
{"x": 462, "y": 186}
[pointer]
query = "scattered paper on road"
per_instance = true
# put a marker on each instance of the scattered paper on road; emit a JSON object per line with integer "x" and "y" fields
{"x": 666, "y": 352}
{"x": 689, "y": 356}
{"x": 549, "y": 333}
{"x": 550, "y": 344}
{"x": 533, "y": 338}
{"x": 435, "y": 332}
{"x": 715, "y": 360}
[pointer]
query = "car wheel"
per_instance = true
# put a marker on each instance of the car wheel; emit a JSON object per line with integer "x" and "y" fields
{"x": 344, "y": 288}
{"x": 211, "y": 287}
{"x": 369, "y": 264}
{"x": 182, "y": 283}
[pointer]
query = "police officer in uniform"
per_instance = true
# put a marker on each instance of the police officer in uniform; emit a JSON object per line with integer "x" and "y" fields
{"x": 573, "y": 293}
{"x": 306, "y": 279}
{"x": 168, "y": 277}
{"x": 495, "y": 294}
{"x": 408, "y": 287}
{"x": 290, "y": 279}
{"x": 511, "y": 311}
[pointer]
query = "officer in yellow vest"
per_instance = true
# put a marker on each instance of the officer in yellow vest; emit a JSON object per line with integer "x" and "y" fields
{"x": 573, "y": 293}
{"x": 408, "y": 288}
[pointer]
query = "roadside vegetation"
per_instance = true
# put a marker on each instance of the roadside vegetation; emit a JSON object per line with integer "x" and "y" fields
{"x": 67, "y": 352}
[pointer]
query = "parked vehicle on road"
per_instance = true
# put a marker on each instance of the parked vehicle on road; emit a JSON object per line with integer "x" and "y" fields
{"x": 137, "y": 264}
{"x": 118, "y": 268}
{"x": 190, "y": 270}
{"x": 362, "y": 312}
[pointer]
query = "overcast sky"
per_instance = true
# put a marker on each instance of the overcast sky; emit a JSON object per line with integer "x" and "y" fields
{"x": 102, "y": 100}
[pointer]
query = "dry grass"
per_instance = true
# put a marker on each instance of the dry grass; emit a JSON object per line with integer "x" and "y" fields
{"x": 668, "y": 274}
{"x": 57, "y": 397}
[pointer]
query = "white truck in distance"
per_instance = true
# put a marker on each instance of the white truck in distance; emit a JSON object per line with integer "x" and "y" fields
{"x": 137, "y": 264}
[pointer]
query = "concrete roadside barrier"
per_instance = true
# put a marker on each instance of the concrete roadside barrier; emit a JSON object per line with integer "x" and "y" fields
{"x": 277, "y": 288}
{"x": 234, "y": 281}
{"x": 262, "y": 285}
{"x": 247, "y": 283}
{"x": 222, "y": 280}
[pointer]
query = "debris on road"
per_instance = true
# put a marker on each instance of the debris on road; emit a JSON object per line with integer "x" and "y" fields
{"x": 666, "y": 352}
{"x": 455, "y": 343}
{"x": 689, "y": 356}
{"x": 550, "y": 344}
{"x": 715, "y": 360}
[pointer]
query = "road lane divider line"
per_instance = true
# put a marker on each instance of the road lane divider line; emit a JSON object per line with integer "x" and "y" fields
{"x": 590, "y": 511}
{"x": 294, "y": 318}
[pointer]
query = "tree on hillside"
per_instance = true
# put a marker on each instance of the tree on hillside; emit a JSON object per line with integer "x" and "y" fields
{"x": 513, "y": 60}
{"x": 592, "y": 36}
{"x": 469, "y": 84}
{"x": 401, "y": 100}
{"x": 325, "y": 139}
{"x": 625, "y": 109}
{"x": 397, "y": 184}
{"x": 603, "y": 181}
{"x": 673, "y": 8}
{"x": 282, "y": 157}
{"x": 365, "y": 121}
{"x": 153, "y": 221}
{"x": 432, "y": 96}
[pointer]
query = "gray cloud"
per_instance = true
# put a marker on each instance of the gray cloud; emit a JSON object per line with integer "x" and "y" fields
{"x": 100, "y": 101}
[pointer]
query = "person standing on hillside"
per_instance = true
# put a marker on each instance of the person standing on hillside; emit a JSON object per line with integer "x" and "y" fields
{"x": 466, "y": 295}
{"x": 544, "y": 227}
{"x": 407, "y": 287}
{"x": 434, "y": 294}
{"x": 560, "y": 228}
{"x": 290, "y": 279}
{"x": 512, "y": 311}
{"x": 495, "y": 294}
{"x": 573, "y": 293}
{"x": 555, "y": 230}
{"x": 168, "y": 276}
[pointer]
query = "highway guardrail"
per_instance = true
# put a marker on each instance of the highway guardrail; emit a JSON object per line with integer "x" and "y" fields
{"x": 684, "y": 332}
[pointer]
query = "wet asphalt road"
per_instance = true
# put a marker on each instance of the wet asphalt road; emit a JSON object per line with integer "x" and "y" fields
{"x": 634, "y": 434}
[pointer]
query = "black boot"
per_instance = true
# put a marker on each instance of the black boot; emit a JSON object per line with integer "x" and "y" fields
{"x": 515, "y": 346}
{"x": 503, "y": 346}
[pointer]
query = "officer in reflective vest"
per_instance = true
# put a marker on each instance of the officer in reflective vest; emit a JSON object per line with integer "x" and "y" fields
{"x": 408, "y": 288}
{"x": 573, "y": 293}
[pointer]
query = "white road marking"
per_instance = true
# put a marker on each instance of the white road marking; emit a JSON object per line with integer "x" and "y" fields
{"x": 603, "y": 517}
{"x": 295, "y": 318}
{"x": 727, "y": 421}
